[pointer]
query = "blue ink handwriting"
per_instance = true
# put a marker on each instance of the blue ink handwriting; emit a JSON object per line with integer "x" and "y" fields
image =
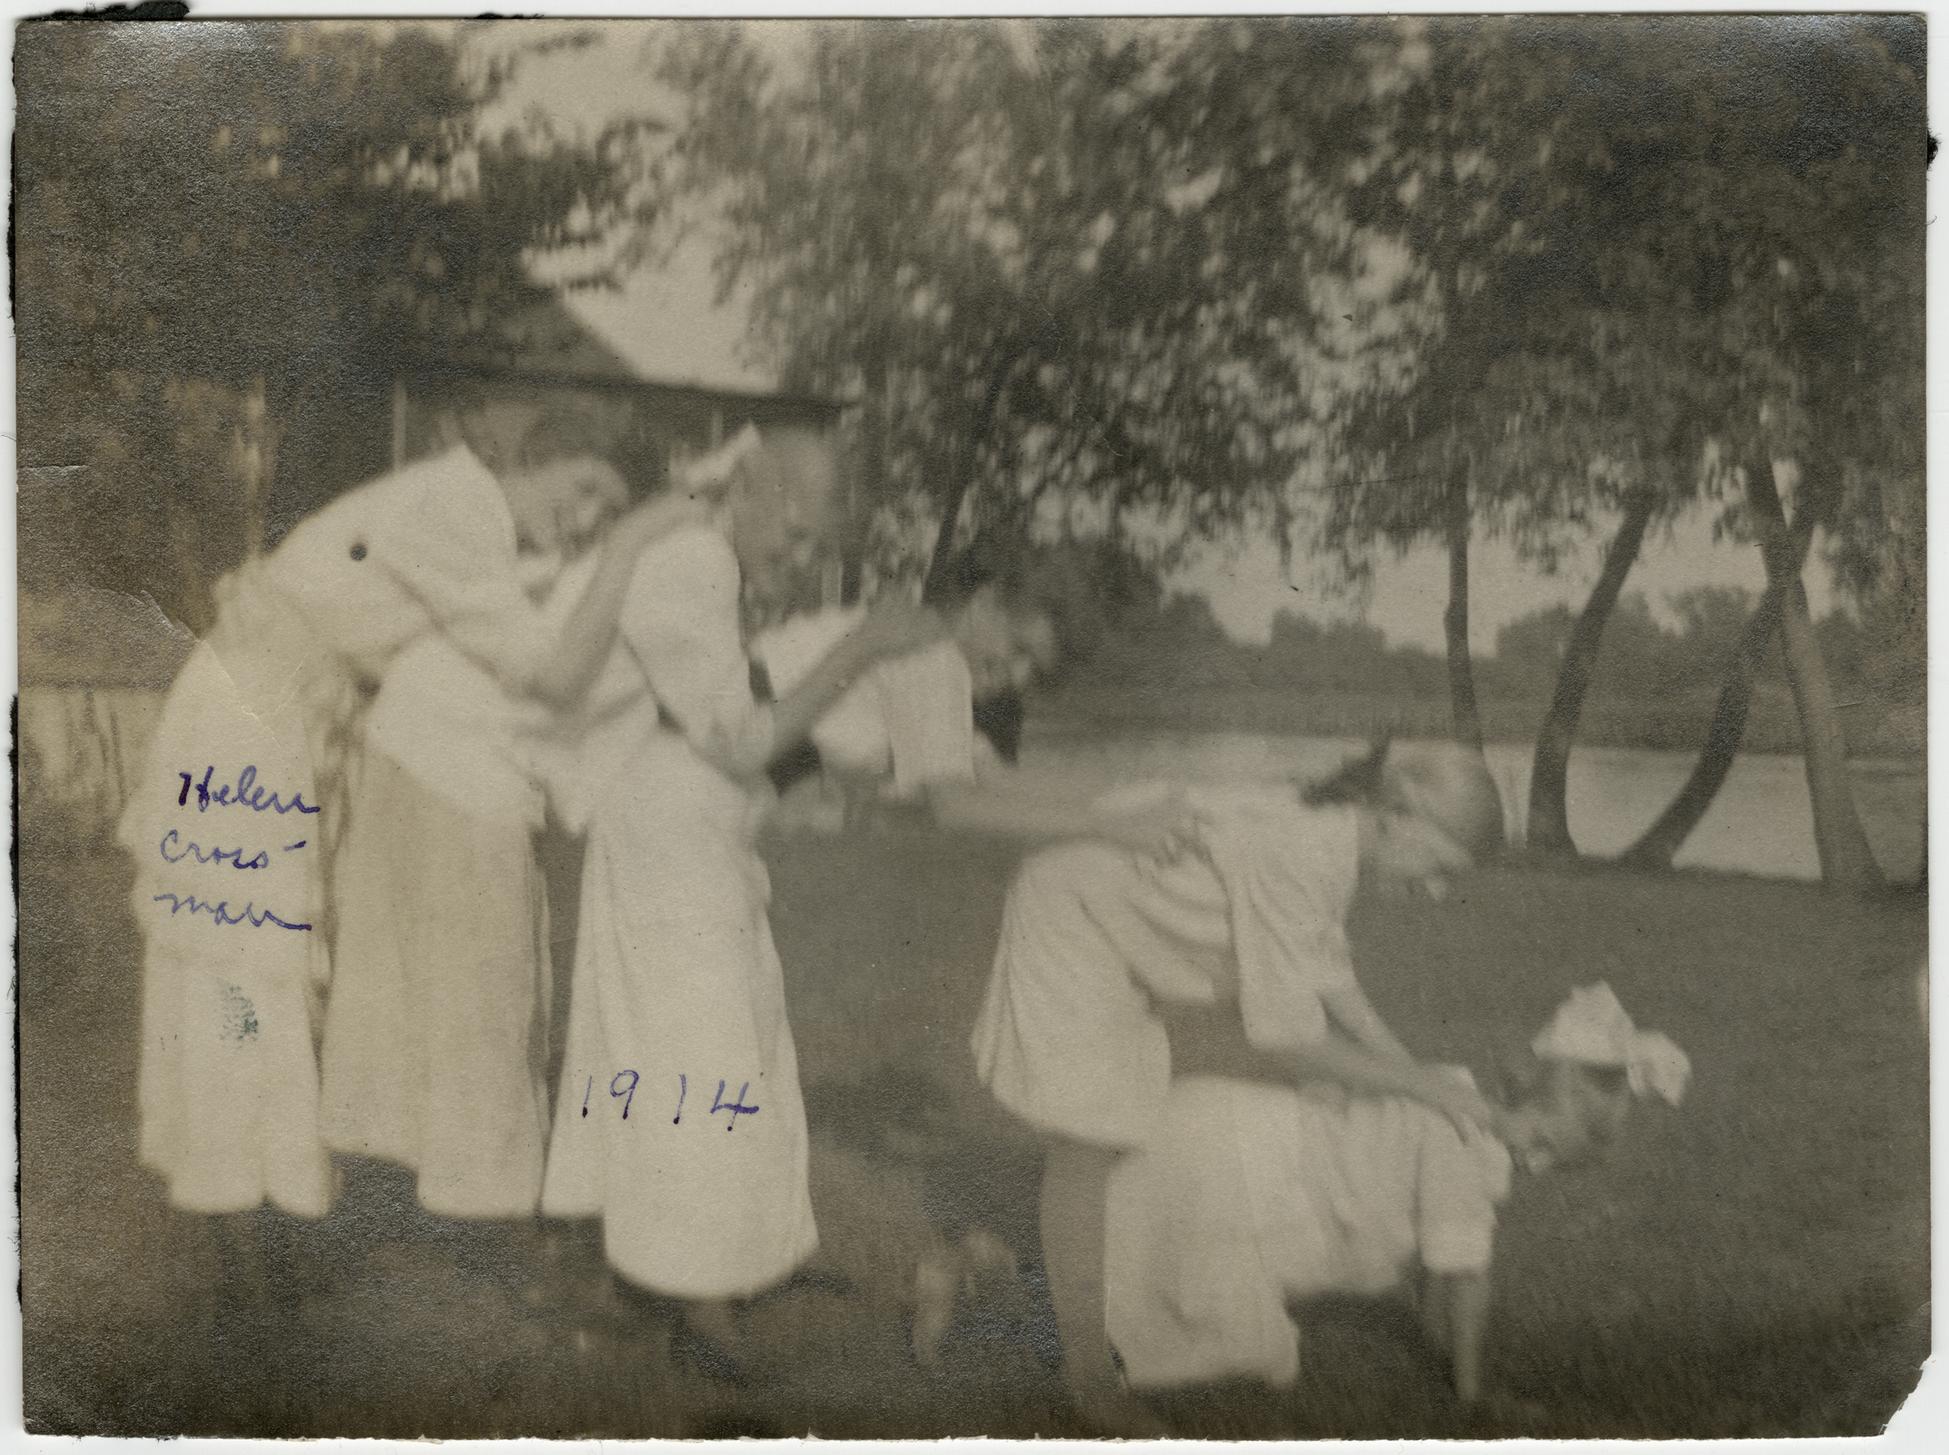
{"x": 174, "y": 848}
{"x": 190, "y": 849}
{"x": 246, "y": 793}
{"x": 628, "y": 1093}
{"x": 735, "y": 1106}
{"x": 222, "y": 913}
{"x": 624, "y": 1090}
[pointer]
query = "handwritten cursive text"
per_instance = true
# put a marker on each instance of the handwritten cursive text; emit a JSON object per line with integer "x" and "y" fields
{"x": 221, "y": 912}
{"x": 246, "y": 792}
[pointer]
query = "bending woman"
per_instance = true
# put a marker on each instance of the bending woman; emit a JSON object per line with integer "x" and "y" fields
{"x": 235, "y": 962}
{"x": 906, "y": 733}
{"x": 1095, "y": 940}
{"x": 1208, "y": 1246}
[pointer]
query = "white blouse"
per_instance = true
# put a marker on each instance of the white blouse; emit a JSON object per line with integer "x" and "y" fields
{"x": 911, "y": 718}
{"x": 430, "y": 547}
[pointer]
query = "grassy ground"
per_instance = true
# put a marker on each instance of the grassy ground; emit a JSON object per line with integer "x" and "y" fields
{"x": 1756, "y": 1264}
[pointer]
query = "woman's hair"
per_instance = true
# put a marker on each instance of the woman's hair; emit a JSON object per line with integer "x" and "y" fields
{"x": 1356, "y": 781}
{"x": 567, "y": 428}
{"x": 1446, "y": 783}
{"x": 1526, "y": 1078}
{"x": 1059, "y": 584}
{"x": 1597, "y": 1098}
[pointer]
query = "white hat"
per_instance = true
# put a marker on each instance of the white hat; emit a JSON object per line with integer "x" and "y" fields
{"x": 1592, "y": 1028}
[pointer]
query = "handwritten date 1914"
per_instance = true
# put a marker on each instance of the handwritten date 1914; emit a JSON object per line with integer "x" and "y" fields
{"x": 623, "y": 1085}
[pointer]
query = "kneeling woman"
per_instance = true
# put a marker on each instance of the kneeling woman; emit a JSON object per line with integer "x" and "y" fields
{"x": 1208, "y": 1246}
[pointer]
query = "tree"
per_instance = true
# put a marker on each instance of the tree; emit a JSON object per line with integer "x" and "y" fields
{"x": 986, "y": 245}
{"x": 1806, "y": 236}
{"x": 1657, "y": 846}
{"x": 321, "y": 199}
{"x": 1611, "y": 271}
{"x": 1491, "y": 405}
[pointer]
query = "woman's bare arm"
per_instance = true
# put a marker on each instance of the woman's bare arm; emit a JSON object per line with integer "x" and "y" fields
{"x": 590, "y": 632}
{"x": 1354, "y": 1013}
{"x": 1209, "y": 1040}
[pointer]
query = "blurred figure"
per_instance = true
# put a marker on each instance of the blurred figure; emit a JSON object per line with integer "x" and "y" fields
{"x": 1097, "y": 938}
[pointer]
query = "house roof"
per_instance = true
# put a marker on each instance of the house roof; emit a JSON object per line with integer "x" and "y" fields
{"x": 664, "y": 329}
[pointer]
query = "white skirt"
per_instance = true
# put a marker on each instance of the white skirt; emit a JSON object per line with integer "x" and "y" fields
{"x": 679, "y": 1120}
{"x": 437, "y": 1030}
{"x": 1068, "y": 1038}
{"x": 228, "y": 1074}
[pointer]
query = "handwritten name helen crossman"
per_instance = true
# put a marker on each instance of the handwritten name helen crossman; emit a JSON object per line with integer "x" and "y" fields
{"x": 247, "y": 793}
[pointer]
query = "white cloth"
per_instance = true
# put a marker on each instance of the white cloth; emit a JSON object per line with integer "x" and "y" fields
{"x": 1289, "y": 874}
{"x": 437, "y": 1026}
{"x": 450, "y": 722}
{"x": 445, "y": 719}
{"x": 1068, "y": 1038}
{"x": 563, "y": 756}
{"x": 227, "y": 1078}
{"x": 431, "y": 545}
{"x": 1250, "y": 1195}
{"x": 677, "y": 1011}
{"x": 911, "y": 718}
{"x": 1592, "y": 1027}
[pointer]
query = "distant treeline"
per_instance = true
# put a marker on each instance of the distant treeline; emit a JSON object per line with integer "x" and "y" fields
{"x": 1173, "y": 666}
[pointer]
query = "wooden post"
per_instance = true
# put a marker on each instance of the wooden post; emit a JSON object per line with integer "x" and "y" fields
{"x": 254, "y": 463}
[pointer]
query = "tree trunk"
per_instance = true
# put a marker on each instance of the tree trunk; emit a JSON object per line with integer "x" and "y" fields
{"x": 1549, "y": 813}
{"x": 944, "y": 540}
{"x": 1455, "y": 620}
{"x": 1662, "y": 841}
{"x": 1846, "y": 862}
{"x": 869, "y": 489}
{"x": 965, "y": 472}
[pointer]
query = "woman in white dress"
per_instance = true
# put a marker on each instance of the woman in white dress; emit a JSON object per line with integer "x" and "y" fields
{"x": 1212, "y": 1236}
{"x": 679, "y": 1121}
{"x": 229, "y": 828}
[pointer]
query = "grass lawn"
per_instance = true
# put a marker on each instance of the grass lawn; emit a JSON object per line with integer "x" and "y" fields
{"x": 1756, "y": 1264}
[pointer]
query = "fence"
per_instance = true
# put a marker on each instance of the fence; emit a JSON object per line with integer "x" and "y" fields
{"x": 82, "y": 748}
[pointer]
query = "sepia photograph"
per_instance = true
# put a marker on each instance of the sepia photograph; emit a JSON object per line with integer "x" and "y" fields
{"x": 1203, "y": 728}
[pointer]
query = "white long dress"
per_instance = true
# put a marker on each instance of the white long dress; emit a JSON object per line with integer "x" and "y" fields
{"x": 228, "y": 895}
{"x": 679, "y": 1121}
